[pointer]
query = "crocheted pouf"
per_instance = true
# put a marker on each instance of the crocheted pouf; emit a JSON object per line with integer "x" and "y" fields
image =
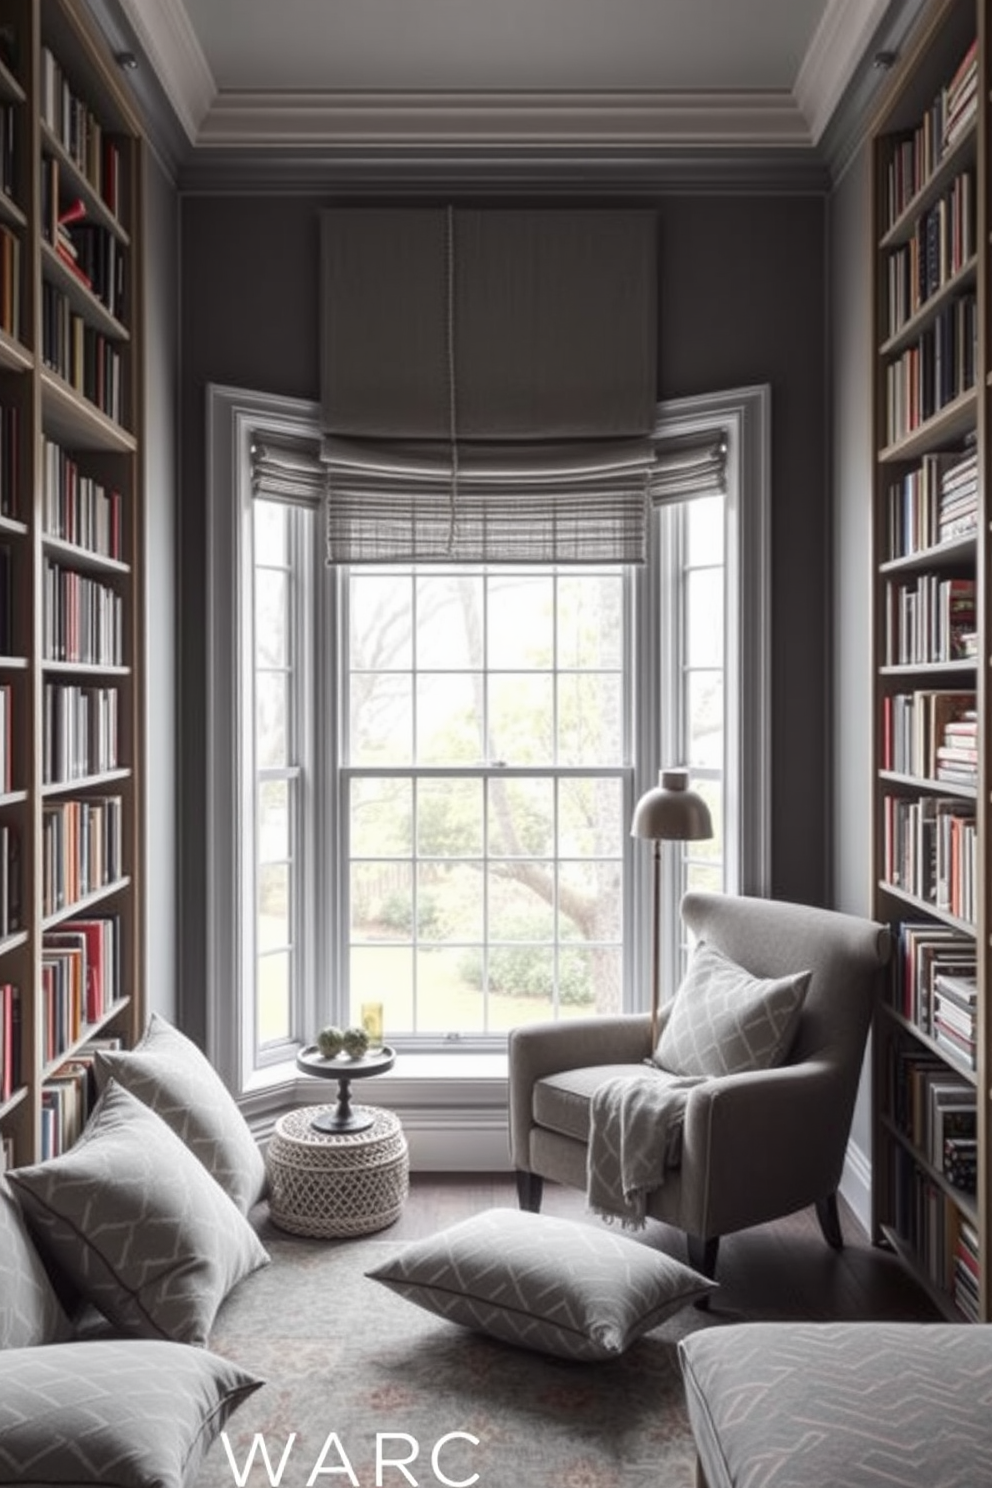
{"x": 331, "y": 1184}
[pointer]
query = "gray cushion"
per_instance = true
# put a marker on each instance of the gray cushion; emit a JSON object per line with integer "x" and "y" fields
{"x": 169, "y": 1073}
{"x": 724, "y": 1021}
{"x": 552, "y": 1285}
{"x": 121, "y": 1414}
{"x": 841, "y": 1405}
{"x": 30, "y": 1312}
{"x": 137, "y": 1224}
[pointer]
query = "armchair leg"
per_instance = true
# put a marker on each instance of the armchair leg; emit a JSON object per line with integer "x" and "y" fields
{"x": 530, "y": 1190}
{"x": 702, "y": 1254}
{"x": 829, "y": 1217}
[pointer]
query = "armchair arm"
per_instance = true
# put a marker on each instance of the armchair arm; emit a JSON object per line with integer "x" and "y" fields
{"x": 762, "y": 1144}
{"x": 539, "y": 1049}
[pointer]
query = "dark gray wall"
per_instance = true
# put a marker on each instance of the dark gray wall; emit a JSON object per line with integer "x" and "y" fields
{"x": 161, "y": 360}
{"x": 743, "y": 284}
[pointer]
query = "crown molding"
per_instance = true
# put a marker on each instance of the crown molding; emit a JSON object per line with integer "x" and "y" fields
{"x": 838, "y": 45}
{"x": 167, "y": 38}
{"x": 402, "y": 122}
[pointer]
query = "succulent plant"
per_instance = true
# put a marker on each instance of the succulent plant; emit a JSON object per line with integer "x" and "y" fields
{"x": 356, "y": 1042}
{"x": 330, "y": 1042}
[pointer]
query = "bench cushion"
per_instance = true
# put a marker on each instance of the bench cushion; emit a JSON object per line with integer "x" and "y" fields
{"x": 841, "y": 1405}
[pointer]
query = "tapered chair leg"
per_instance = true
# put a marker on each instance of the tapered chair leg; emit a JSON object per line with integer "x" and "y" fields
{"x": 829, "y": 1217}
{"x": 530, "y": 1190}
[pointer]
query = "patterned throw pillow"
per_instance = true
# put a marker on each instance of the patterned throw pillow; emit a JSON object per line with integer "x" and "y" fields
{"x": 133, "y": 1413}
{"x": 169, "y": 1073}
{"x": 552, "y": 1285}
{"x": 725, "y": 1021}
{"x": 137, "y": 1224}
{"x": 30, "y": 1312}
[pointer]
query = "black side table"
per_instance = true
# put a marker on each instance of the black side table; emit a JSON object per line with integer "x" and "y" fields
{"x": 344, "y": 1069}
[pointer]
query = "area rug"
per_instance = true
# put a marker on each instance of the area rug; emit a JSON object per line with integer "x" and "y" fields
{"x": 346, "y": 1362}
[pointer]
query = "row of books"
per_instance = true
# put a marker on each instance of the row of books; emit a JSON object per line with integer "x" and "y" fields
{"x": 10, "y": 282}
{"x": 82, "y": 619}
{"x": 921, "y": 729}
{"x": 929, "y": 850}
{"x": 10, "y": 879}
{"x": 8, "y": 149}
{"x": 934, "y": 503}
{"x": 943, "y": 242}
{"x": 936, "y": 369}
{"x": 68, "y": 1096}
{"x": 92, "y": 253}
{"x": 929, "y": 619}
{"x": 82, "y": 849}
{"x": 926, "y": 1218}
{"x": 79, "y": 131}
{"x": 80, "y": 979}
{"x": 917, "y": 154}
{"x": 929, "y": 1102}
{"x": 84, "y": 357}
{"x": 6, "y": 738}
{"x": 79, "y": 508}
{"x": 10, "y": 462}
{"x": 80, "y": 731}
{"x": 967, "y": 1269}
{"x": 7, "y": 644}
{"x": 924, "y": 950}
{"x": 10, "y": 1040}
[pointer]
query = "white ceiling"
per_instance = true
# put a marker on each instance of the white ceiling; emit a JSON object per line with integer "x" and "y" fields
{"x": 256, "y": 73}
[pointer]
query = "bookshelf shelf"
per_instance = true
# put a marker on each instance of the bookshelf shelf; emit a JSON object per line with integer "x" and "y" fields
{"x": 932, "y": 262}
{"x": 71, "y": 160}
{"x": 88, "y": 901}
{"x": 958, "y": 158}
{"x": 963, "y": 279}
{"x": 90, "y": 1030}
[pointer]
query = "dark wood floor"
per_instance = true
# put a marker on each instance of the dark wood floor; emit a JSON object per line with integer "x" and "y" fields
{"x": 781, "y": 1270}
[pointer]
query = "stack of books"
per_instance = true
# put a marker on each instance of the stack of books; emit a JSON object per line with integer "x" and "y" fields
{"x": 960, "y": 99}
{"x": 957, "y": 507}
{"x": 955, "y": 1001}
{"x": 966, "y": 1270}
{"x": 957, "y": 753}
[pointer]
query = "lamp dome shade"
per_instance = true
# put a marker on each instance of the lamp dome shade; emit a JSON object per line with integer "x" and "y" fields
{"x": 670, "y": 811}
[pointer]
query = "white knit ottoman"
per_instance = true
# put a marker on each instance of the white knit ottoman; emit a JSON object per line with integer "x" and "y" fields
{"x": 332, "y": 1184}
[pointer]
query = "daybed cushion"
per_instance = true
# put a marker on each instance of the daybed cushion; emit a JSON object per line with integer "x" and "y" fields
{"x": 30, "y": 1312}
{"x": 137, "y": 1224}
{"x": 553, "y": 1285}
{"x": 841, "y": 1405}
{"x": 724, "y": 1021}
{"x": 120, "y": 1414}
{"x": 168, "y": 1072}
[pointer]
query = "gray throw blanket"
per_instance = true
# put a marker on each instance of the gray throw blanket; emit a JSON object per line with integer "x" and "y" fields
{"x": 633, "y": 1119}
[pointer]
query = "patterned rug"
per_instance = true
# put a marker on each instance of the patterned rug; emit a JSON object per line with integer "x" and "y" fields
{"x": 341, "y": 1354}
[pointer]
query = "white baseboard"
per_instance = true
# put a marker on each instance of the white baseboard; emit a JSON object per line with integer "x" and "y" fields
{"x": 468, "y": 1147}
{"x": 855, "y": 1185}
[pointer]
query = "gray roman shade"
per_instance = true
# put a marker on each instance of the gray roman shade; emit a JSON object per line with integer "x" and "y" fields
{"x": 401, "y": 506}
{"x": 488, "y": 381}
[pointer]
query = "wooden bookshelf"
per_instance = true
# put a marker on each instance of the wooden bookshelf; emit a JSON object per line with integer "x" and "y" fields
{"x": 71, "y": 924}
{"x": 932, "y": 702}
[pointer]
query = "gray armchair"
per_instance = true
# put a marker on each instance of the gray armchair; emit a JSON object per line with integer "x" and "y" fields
{"x": 755, "y": 1146}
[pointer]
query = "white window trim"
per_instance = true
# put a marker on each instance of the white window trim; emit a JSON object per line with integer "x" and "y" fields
{"x": 233, "y": 417}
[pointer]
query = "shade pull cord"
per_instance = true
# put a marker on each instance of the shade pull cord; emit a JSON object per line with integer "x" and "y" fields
{"x": 452, "y": 399}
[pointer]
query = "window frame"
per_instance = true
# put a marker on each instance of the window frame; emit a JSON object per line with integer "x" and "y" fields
{"x": 234, "y": 418}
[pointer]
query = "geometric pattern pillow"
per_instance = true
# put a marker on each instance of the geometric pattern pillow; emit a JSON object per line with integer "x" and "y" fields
{"x": 137, "y": 1224}
{"x": 132, "y": 1413}
{"x": 552, "y": 1285}
{"x": 724, "y": 1021}
{"x": 30, "y": 1312}
{"x": 171, "y": 1075}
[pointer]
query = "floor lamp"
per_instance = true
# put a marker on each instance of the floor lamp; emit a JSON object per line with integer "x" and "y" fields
{"x": 669, "y": 812}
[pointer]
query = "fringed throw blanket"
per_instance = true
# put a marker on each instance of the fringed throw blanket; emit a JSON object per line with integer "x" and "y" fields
{"x": 632, "y": 1119}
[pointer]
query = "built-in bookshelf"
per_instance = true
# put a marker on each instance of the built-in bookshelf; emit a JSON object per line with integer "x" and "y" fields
{"x": 930, "y": 229}
{"x": 70, "y": 569}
